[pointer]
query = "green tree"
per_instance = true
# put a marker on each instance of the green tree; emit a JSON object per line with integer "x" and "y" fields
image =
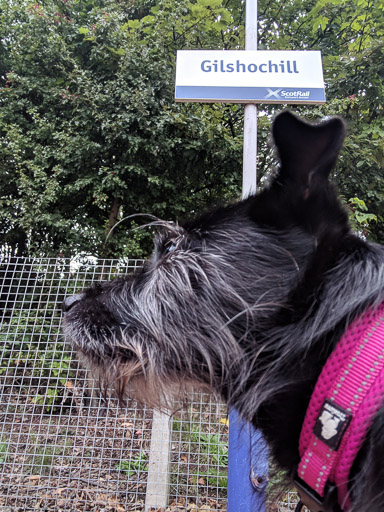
{"x": 90, "y": 132}
{"x": 350, "y": 35}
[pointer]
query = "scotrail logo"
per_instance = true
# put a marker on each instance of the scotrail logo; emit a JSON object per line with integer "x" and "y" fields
{"x": 273, "y": 94}
{"x": 280, "y": 93}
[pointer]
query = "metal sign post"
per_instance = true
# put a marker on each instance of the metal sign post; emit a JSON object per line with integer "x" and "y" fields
{"x": 250, "y": 110}
{"x": 249, "y": 77}
{"x": 248, "y": 453}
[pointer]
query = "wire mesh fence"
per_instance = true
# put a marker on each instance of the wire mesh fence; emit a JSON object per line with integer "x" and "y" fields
{"x": 62, "y": 448}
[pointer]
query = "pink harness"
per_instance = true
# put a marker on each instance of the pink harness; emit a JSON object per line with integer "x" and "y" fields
{"x": 346, "y": 397}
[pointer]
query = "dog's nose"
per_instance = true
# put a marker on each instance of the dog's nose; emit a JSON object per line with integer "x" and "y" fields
{"x": 70, "y": 301}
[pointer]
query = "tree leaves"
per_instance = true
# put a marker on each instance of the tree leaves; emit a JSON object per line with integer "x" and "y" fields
{"x": 88, "y": 119}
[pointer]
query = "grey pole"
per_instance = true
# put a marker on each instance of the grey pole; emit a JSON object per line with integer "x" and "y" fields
{"x": 248, "y": 453}
{"x": 250, "y": 111}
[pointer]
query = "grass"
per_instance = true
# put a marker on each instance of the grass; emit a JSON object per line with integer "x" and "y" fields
{"x": 43, "y": 458}
{"x": 211, "y": 451}
{"x": 132, "y": 466}
{"x": 3, "y": 452}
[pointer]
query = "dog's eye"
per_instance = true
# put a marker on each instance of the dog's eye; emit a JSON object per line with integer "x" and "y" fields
{"x": 169, "y": 247}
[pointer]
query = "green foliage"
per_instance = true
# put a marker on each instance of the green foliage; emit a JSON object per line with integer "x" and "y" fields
{"x": 49, "y": 399}
{"x": 89, "y": 129}
{"x": 27, "y": 342}
{"x": 3, "y": 452}
{"x": 42, "y": 457}
{"x": 213, "y": 453}
{"x": 359, "y": 217}
{"x": 212, "y": 446}
{"x": 350, "y": 36}
{"x": 90, "y": 132}
{"x": 30, "y": 340}
{"x": 132, "y": 466}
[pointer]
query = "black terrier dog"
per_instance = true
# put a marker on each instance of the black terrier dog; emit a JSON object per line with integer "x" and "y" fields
{"x": 248, "y": 300}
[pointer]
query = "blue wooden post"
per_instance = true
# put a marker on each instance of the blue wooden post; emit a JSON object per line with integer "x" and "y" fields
{"x": 247, "y": 467}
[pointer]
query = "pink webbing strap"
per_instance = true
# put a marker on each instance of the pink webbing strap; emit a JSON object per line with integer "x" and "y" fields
{"x": 347, "y": 395}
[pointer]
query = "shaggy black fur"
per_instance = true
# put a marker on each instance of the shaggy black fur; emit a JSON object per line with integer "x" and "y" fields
{"x": 248, "y": 300}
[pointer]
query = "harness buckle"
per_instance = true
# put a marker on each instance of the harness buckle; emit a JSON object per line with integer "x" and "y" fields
{"x": 313, "y": 501}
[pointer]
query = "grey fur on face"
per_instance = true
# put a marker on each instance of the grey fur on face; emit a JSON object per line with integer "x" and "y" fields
{"x": 194, "y": 303}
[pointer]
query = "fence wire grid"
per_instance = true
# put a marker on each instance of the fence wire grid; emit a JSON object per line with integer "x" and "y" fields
{"x": 62, "y": 448}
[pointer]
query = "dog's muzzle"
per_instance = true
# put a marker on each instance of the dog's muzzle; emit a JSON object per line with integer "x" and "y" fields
{"x": 70, "y": 301}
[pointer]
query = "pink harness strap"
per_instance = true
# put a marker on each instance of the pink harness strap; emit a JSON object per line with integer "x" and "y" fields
{"x": 347, "y": 395}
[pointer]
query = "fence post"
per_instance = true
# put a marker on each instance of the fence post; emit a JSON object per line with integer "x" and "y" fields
{"x": 158, "y": 466}
{"x": 247, "y": 468}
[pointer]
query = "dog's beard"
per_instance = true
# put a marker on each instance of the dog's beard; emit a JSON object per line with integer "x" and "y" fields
{"x": 123, "y": 379}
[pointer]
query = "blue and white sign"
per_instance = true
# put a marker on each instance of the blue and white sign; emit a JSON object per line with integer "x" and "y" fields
{"x": 242, "y": 76}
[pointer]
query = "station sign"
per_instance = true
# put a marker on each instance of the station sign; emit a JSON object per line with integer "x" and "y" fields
{"x": 243, "y": 76}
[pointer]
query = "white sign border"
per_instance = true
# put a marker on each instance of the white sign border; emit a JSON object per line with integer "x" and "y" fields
{"x": 190, "y": 86}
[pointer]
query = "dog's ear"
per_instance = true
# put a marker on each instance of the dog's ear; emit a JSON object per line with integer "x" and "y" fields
{"x": 307, "y": 152}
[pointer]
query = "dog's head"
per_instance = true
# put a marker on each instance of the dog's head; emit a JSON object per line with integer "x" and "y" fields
{"x": 197, "y": 309}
